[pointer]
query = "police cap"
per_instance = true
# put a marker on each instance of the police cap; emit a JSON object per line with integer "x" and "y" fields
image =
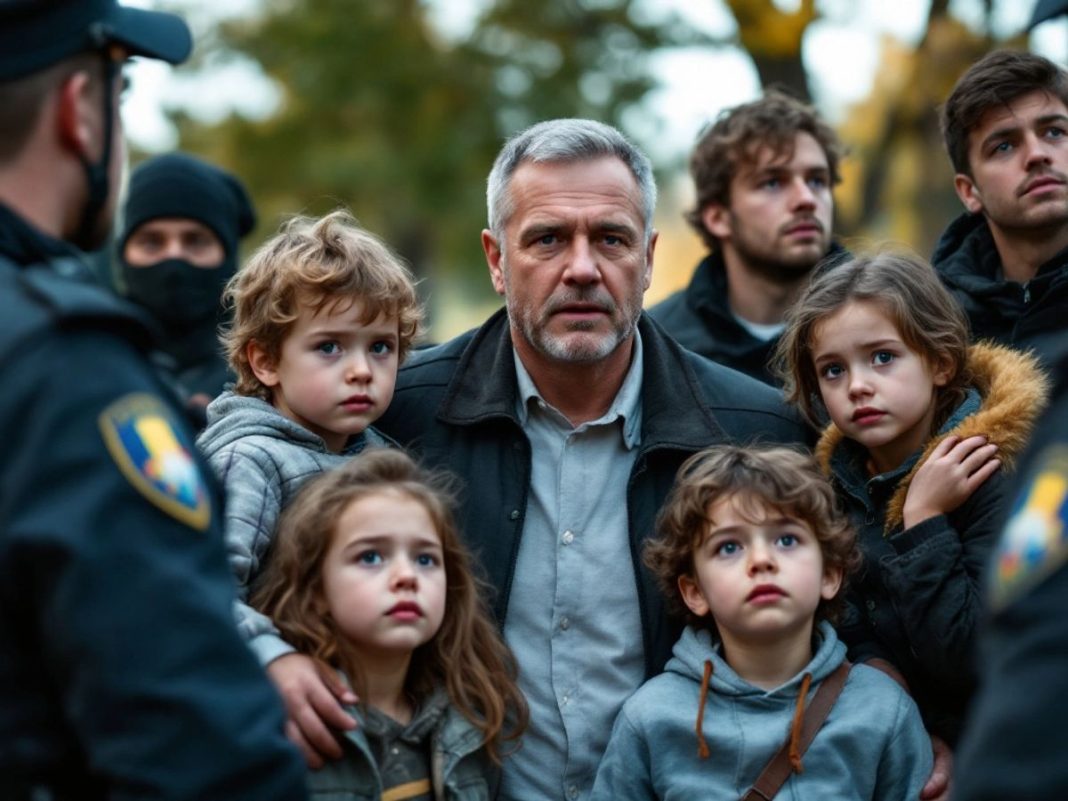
{"x": 35, "y": 34}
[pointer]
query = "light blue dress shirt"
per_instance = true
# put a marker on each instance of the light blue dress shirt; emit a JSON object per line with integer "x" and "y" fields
{"x": 573, "y": 618}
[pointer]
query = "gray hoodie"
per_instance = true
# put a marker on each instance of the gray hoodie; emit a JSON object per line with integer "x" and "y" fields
{"x": 872, "y": 745}
{"x": 262, "y": 458}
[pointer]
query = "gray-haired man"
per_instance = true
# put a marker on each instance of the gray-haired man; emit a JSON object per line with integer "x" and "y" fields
{"x": 567, "y": 415}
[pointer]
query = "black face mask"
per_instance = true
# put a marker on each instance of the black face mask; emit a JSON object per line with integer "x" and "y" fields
{"x": 176, "y": 292}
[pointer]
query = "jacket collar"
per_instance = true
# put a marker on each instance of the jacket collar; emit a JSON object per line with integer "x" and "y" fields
{"x": 25, "y": 244}
{"x": 1013, "y": 391}
{"x": 967, "y": 256}
{"x": 453, "y": 736}
{"x": 626, "y": 406}
{"x": 674, "y": 413}
{"x": 706, "y": 297}
{"x": 707, "y": 293}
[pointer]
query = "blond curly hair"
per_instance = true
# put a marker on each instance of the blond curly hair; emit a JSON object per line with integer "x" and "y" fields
{"x": 314, "y": 263}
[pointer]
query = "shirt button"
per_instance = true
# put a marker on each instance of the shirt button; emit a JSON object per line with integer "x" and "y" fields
{"x": 572, "y": 791}
{"x": 394, "y": 750}
{"x": 514, "y": 515}
{"x": 565, "y": 623}
{"x": 871, "y": 606}
{"x": 568, "y": 538}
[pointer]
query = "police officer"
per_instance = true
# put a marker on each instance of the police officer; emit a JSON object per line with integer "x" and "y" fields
{"x": 121, "y": 672}
{"x": 1015, "y": 741}
{"x": 177, "y": 248}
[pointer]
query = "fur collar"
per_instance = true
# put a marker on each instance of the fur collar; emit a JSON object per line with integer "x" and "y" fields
{"x": 1014, "y": 391}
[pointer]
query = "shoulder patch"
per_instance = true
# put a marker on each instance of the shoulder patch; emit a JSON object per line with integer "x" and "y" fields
{"x": 1035, "y": 540}
{"x": 155, "y": 456}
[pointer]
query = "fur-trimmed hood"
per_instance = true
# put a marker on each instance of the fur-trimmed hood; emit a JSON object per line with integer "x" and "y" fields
{"x": 1014, "y": 390}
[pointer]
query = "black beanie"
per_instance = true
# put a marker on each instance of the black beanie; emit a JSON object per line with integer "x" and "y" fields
{"x": 179, "y": 185}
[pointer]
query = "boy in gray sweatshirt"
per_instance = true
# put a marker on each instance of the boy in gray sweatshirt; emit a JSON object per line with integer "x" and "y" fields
{"x": 754, "y": 551}
{"x": 323, "y": 314}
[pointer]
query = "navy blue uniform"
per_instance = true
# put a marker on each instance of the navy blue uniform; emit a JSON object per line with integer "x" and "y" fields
{"x": 1014, "y": 743}
{"x": 122, "y": 674}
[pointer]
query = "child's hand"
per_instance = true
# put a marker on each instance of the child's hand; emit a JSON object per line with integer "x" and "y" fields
{"x": 947, "y": 479}
{"x": 312, "y": 704}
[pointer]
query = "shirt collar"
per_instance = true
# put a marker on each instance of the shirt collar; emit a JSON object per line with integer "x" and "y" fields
{"x": 627, "y": 404}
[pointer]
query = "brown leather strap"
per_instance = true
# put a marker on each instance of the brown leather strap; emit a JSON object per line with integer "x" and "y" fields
{"x": 777, "y": 771}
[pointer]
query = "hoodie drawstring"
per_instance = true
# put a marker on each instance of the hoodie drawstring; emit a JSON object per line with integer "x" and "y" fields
{"x": 702, "y": 746}
{"x": 795, "y": 727}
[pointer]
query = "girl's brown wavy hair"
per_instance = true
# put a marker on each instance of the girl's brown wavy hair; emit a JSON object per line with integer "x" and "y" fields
{"x": 467, "y": 655}
{"x": 909, "y": 292}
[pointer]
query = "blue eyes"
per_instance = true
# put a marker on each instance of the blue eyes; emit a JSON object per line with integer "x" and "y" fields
{"x": 333, "y": 348}
{"x": 372, "y": 557}
{"x": 369, "y": 558}
{"x": 610, "y": 240}
{"x": 880, "y": 358}
{"x": 733, "y": 547}
{"x": 815, "y": 182}
{"x": 1053, "y": 132}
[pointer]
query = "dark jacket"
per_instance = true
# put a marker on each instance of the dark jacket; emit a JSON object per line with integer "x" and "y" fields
{"x": 917, "y": 599}
{"x": 1013, "y": 746}
{"x": 460, "y": 767}
{"x": 1030, "y": 315}
{"x": 121, "y": 672}
{"x": 700, "y": 318}
{"x": 455, "y": 405}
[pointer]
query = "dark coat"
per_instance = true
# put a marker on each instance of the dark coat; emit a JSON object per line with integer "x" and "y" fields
{"x": 917, "y": 599}
{"x": 700, "y": 318}
{"x": 121, "y": 672}
{"x": 455, "y": 405}
{"x": 1031, "y": 315}
{"x": 1013, "y": 745}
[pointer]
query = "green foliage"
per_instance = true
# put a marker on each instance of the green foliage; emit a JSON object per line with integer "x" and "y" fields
{"x": 382, "y": 114}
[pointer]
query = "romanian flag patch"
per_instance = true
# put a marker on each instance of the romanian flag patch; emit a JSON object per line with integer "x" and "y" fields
{"x": 155, "y": 456}
{"x": 1035, "y": 540}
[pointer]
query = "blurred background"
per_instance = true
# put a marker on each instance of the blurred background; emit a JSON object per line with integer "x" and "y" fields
{"x": 396, "y": 108}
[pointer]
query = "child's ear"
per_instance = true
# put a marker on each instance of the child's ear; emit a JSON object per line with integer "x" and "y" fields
{"x": 831, "y": 584}
{"x": 943, "y": 372}
{"x": 692, "y": 596}
{"x": 262, "y": 364}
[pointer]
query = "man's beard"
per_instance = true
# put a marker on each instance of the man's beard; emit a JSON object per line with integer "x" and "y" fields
{"x": 534, "y": 325}
{"x": 769, "y": 265}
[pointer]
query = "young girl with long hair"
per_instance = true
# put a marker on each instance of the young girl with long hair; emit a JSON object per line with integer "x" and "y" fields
{"x": 368, "y": 576}
{"x": 919, "y": 424}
